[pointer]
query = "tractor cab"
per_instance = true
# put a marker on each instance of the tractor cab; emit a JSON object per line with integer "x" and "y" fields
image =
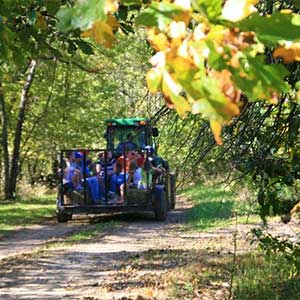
{"x": 129, "y": 134}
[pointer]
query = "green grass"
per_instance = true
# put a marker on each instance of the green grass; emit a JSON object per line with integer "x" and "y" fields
{"x": 25, "y": 212}
{"x": 255, "y": 278}
{"x": 214, "y": 207}
{"x": 90, "y": 233}
{"x": 258, "y": 278}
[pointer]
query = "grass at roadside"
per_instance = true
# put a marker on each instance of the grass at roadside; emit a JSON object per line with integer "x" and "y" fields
{"x": 256, "y": 276}
{"x": 25, "y": 212}
{"x": 261, "y": 278}
{"x": 90, "y": 233}
{"x": 31, "y": 210}
{"x": 214, "y": 207}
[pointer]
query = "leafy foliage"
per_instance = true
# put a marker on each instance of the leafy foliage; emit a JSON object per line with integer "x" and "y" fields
{"x": 59, "y": 116}
{"x": 209, "y": 59}
{"x": 285, "y": 249}
{"x": 207, "y": 54}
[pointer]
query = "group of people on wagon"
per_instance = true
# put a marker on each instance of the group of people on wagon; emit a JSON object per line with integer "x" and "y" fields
{"x": 107, "y": 177}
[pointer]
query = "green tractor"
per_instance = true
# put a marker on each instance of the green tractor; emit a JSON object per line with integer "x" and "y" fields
{"x": 124, "y": 137}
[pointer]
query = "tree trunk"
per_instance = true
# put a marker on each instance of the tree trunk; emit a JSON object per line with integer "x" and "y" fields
{"x": 4, "y": 142}
{"x": 269, "y": 7}
{"x": 18, "y": 133}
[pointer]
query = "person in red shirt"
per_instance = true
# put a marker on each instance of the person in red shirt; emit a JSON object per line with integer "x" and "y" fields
{"x": 121, "y": 163}
{"x": 122, "y": 175}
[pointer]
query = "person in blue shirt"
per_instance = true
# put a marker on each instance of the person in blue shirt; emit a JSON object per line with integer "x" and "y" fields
{"x": 128, "y": 145}
{"x": 72, "y": 175}
{"x": 79, "y": 164}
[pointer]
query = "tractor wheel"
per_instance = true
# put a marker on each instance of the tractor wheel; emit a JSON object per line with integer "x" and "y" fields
{"x": 161, "y": 205}
{"x": 63, "y": 217}
{"x": 173, "y": 191}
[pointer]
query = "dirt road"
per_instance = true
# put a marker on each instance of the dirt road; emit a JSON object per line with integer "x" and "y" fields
{"x": 132, "y": 261}
{"x": 33, "y": 237}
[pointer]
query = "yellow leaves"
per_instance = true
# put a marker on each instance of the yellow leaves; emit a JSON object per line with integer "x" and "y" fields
{"x": 186, "y": 63}
{"x": 216, "y": 128}
{"x": 159, "y": 78}
{"x": 199, "y": 52}
{"x": 186, "y": 4}
{"x": 221, "y": 105}
{"x": 171, "y": 63}
{"x": 176, "y": 73}
{"x": 177, "y": 30}
{"x": 183, "y": 50}
{"x": 158, "y": 40}
{"x": 158, "y": 60}
{"x": 102, "y": 32}
{"x": 179, "y": 59}
{"x": 154, "y": 79}
{"x": 229, "y": 110}
{"x": 110, "y": 6}
{"x": 236, "y": 10}
{"x": 274, "y": 98}
{"x": 200, "y": 32}
{"x": 227, "y": 87}
{"x": 112, "y": 22}
{"x": 235, "y": 61}
{"x": 181, "y": 66}
{"x": 183, "y": 17}
{"x": 289, "y": 52}
{"x": 40, "y": 20}
{"x": 286, "y": 11}
{"x": 217, "y": 34}
{"x": 171, "y": 91}
{"x": 171, "y": 88}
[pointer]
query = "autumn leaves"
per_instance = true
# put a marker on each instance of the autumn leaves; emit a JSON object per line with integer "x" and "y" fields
{"x": 207, "y": 52}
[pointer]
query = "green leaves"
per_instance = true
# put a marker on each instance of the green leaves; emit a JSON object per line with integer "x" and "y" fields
{"x": 261, "y": 81}
{"x": 210, "y": 9}
{"x": 85, "y": 47}
{"x": 273, "y": 29}
{"x": 94, "y": 17}
{"x": 131, "y": 2}
{"x": 294, "y": 127}
{"x": 3, "y": 38}
{"x": 154, "y": 80}
{"x": 53, "y": 6}
{"x": 87, "y": 13}
{"x": 4, "y": 8}
{"x": 81, "y": 16}
{"x": 208, "y": 52}
{"x": 172, "y": 91}
{"x": 159, "y": 14}
{"x": 212, "y": 103}
{"x": 296, "y": 3}
{"x": 65, "y": 16}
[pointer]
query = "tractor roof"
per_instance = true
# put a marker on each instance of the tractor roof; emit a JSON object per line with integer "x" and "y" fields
{"x": 127, "y": 122}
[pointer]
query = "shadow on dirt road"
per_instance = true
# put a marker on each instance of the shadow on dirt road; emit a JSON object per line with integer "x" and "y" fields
{"x": 73, "y": 271}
